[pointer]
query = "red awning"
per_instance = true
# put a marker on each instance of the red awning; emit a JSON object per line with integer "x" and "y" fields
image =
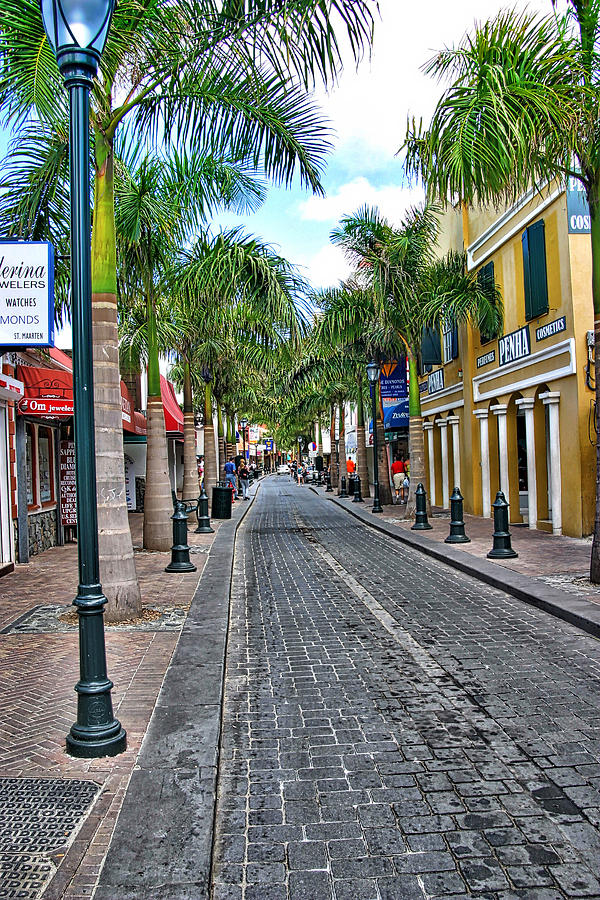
{"x": 172, "y": 409}
{"x": 133, "y": 421}
{"x": 48, "y": 392}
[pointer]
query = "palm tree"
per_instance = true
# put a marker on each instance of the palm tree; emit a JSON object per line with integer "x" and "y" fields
{"x": 159, "y": 202}
{"x": 406, "y": 289}
{"x": 239, "y": 301}
{"x": 522, "y": 109}
{"x": 199, "y": 72}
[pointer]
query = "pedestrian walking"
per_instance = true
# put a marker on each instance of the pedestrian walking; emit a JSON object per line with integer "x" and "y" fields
{"x": 398, "y": 475}
{"x": 350, "y": 466}
{"x": 230, "y": 477}
{"x": 244, "y": 476}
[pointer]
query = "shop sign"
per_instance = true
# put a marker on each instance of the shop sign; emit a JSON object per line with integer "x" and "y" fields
{"x": 422, "y": 387}
{"x": 26, "y": 294}
{"x": 488, "y": 357}
{"x": 578, "y": 210}
{"x": 513, "y": 346}
{"x": 269, "y": 445}
{"x": 68, "y": 492}
{"x": 394, "y": 393}
{"x": 47, "y": 406}
{"x": 546, "y": 331}
{"x": 435, "y": 382}
{"x": 253, "y": 434}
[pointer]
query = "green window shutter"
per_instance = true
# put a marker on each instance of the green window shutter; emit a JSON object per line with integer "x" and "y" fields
{"x": 431, "y": 347}
{"x": 538, "y": 279}
{"x": 486, "y": 278}
{"x": 454, "y": 347}
{"x": 526, "y": 274}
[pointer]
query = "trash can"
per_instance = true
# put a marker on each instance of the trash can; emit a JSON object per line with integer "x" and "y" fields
{"x": 221, "y": 501}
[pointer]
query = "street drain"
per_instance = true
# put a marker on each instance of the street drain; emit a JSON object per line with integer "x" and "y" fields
{"x": 38, "y": 817}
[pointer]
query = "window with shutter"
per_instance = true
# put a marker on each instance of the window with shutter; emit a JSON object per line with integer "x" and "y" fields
{"x": 534, "y": 270}
{"x": 431, "y": 348}
{"x": 486, "y": 279}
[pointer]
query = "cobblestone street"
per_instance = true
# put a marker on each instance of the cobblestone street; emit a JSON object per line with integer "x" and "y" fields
{"x": 395, "y": 729}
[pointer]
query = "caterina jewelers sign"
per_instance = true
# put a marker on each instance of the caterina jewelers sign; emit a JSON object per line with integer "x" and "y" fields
{"x": 26, "y": 294}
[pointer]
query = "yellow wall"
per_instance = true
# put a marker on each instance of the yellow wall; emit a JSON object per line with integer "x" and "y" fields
{"x": 568, "y": 261}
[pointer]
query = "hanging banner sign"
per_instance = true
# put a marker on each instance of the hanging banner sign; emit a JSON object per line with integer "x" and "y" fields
{"x": 546, "y": 331}
{"x": 394, "y": 394}
{"x": 578, "y": 209}
{"x": 269, "y": 445}
{"x": 513, "y": 346}
{"x": 68, "y": 494}
{"x": 26, "y": 294}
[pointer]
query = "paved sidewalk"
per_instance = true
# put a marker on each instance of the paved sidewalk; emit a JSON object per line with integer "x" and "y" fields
{"x": 43, "y": 850}
{"x": 394, "y": 728}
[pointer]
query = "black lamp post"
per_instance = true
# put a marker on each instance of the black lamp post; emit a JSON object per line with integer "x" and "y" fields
{"x": 373, "y": 376}
{"x": 243, "y": 426}
{"x": 77, "y": 33}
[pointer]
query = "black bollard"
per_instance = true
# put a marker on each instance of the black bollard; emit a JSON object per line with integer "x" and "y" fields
{"x": 457, "y": 526}
{"x": 343, "y": 492}
{"x": 328, "y": 489}
{"x": 502, "y": 548}
{"x": 351, "y": 484}
{"x": 421, "y": 523}
{"x": 357, "y": 490}
{"x": 180, "y": 551}
{"x": 202, "y": 515}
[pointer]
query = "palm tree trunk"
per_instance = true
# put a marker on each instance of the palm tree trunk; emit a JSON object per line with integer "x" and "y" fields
{"x": 190, "y": 465}
{"x": 361, "y": 446}
{"x": 158, "y": 503}
{"x": 343, "y": 473}
{"x": 117, "y": 567}
{"x": 383, "y": 469}
{"x": 210, "y": 458}
{"x": 332, "y": 465}
{"x": 594, "y": 202}
{"x": 416, "y": 440}
{"x": 221, "y": 435}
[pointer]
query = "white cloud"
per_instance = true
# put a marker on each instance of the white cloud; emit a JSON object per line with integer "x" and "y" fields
{"x": 392, "y": 200}
{"x": 327, "y": 267}
{"x": 370, "y": 106}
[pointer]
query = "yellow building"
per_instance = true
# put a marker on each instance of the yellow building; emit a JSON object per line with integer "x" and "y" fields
{"x": 517, "y": 413}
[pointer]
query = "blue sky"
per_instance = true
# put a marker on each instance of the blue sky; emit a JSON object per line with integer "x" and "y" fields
{"x": 368, "y": 112}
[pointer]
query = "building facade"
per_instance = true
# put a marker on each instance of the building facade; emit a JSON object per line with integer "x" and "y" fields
{"x": 516, "y": 413}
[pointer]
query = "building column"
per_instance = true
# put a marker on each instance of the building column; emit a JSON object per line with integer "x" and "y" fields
{"x": 500, "y": 411}
{"x": 443, "y": 426}
{"x": 527, "y": 403}
{"x": 551, "y": 399}
{"x": 454, "y": 421}
{"x": 482, "y": 415}
{"x": 428, "y": 427}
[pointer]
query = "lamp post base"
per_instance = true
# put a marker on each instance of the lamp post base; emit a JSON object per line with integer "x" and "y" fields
{"x": 92, "y": 743}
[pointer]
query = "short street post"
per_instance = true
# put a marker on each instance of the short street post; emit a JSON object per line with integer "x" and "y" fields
{"x": 373, "y": 376}
{"x": 243, "y": 426}
{"x": 77, "y": 33}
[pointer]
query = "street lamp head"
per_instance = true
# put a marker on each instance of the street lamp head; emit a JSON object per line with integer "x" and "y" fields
{"x": 243, "y": 422}
{"x": 373, "y": 371}
{"x": 299, "y": 438}
{"x": 77, "y": 32}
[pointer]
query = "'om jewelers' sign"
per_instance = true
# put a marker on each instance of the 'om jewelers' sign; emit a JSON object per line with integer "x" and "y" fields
{"x": 513, "y": 346}
{"x": 26, "y": 294}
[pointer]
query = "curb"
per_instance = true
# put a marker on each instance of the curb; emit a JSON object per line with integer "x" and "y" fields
{"x": 583, "y": 614}
{"x": 161, "y": 847}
